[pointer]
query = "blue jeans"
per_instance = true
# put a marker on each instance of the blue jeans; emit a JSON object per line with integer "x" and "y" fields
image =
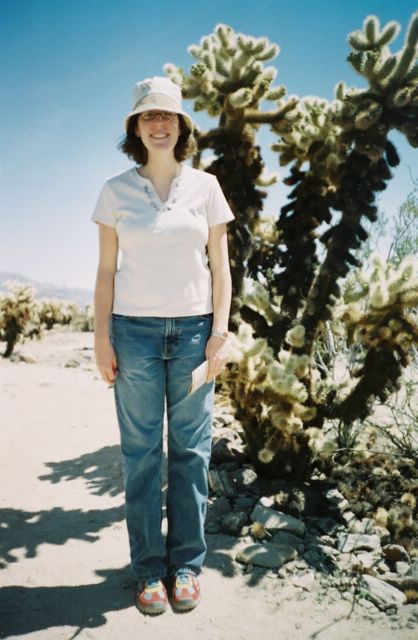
{"x": 156, "y": 357}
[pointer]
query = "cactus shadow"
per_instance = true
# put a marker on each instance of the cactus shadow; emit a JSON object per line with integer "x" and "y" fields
{"x": 101, "y": 470}
{"x": 25, "y": 610}
{"x": 28, "y": 530}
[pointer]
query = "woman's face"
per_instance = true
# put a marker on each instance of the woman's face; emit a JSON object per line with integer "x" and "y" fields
{"x": 158, "y": 130}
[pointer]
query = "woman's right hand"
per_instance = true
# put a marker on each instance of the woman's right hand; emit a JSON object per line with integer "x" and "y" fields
{"x": 106, "y": 359}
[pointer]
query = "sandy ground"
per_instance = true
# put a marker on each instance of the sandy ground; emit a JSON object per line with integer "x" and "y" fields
{"x": 63, "y": 545}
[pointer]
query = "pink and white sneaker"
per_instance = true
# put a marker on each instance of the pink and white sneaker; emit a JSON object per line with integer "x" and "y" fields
{"x": 152, "y": 597}
{"x": 185, "y": 592}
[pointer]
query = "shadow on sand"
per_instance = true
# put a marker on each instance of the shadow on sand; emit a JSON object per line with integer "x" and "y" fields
{"x": 29, "y": 609}
{"x": 28, "y": 530}
{"x": 101, "y": 470}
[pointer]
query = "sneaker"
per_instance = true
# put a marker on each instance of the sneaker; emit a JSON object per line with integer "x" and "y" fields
{"x": 185, "y": 592}
{"x": 152, "y": 597}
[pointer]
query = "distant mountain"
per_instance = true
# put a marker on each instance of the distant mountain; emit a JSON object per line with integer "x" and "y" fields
{"x": 48, "y": 290}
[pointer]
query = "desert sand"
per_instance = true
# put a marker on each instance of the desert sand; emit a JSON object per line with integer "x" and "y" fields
{"x": 64, "y": 551}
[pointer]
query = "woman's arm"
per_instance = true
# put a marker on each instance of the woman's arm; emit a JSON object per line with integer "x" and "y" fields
{"x": 217, "y": 349}
{"x": 103, "y": 302}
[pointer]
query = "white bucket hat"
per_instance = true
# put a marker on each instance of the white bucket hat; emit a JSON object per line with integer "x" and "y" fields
{"x": 157, "y": 93}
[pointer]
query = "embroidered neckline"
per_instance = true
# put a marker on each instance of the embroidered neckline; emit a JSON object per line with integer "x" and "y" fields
{"x": 153, "y": 198}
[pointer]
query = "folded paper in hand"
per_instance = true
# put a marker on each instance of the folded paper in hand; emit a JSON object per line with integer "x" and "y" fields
{"x": 199, "y": 376}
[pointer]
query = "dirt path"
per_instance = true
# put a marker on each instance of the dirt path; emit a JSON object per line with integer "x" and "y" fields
{"x": 63, "y": 544}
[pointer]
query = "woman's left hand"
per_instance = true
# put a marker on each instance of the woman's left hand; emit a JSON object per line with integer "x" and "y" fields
{"x": 217, "y": 354}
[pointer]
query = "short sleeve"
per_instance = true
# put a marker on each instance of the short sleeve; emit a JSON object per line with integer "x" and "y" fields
{"x": 104, "y": 210}
{"x": 218, "y": 209}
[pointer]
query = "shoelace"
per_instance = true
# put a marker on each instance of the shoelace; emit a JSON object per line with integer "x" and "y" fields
{"x": 184, "y": 578}
{"x": 151, "y": 583}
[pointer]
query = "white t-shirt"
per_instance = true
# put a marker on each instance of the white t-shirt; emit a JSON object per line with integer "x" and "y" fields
{"x": 164, "y": 270}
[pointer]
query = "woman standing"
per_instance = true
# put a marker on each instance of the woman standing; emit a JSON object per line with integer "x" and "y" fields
{"x": 158, "y": 316}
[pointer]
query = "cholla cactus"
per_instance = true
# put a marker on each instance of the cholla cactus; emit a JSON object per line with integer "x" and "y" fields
{"x": 53, "y": 311}
{"x": 269, "y": 391}
{"x": 341, "y": 157}
{"x": 229, "y": 80}
{"x": 19, "y": 317}
{"x": 379, "y": 314}
{"x": 82, "y": 320}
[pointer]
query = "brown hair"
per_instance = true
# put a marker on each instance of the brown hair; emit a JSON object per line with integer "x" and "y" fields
{"x": 135, "y": 149}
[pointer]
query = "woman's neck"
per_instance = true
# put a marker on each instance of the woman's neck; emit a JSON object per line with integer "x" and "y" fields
{"x": 160, "y": 169}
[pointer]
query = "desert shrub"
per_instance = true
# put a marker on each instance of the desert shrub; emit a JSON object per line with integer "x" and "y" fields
{"x": 19, "y": 316}
{"x": 53, "y": 311}
{"x": 399, "y": 428}
{"x": 405, "y": 230}
{"x": 82, "y": 320}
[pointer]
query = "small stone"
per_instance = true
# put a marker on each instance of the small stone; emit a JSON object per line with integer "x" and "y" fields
{"x": 381, "y": 593}
{"x": 402, "y": 568}
{"x": 347, "y": 542}
{"x": 271, "y": 556}
{"x": 28, "y": 359}
{"x": 333, "y": 593}
{"x": 363, "y": 602}
{"x": 367, "y": 525}
{"x": 327, "y": 550}
{"x": 221, "y": 484}
{"x": 383, "y": 533}
{"x": 413, "y": 569}
{"x": 267, "y": 501}
{"x": 382, "y": 567}
{"x": 291, "y": 567}
{"x": 364, "y": 560}
{"x": 282, "y": 537}
{"x": 404, "y": 583}
{"x": 312, "y": 557}
{"x": 72, "y": 364}
{"x": 244, "y": 478}
{"x": 232, "y": 523}
{"x": 304, "y": 581}
{"x": 395, "y": 553}
{"x": 327, "y": 525}
{"x": 336, "y": 499}
{"x": 343, "y": 561}
{"x": 349, "y": 518}
{"x": 276, "y": 520}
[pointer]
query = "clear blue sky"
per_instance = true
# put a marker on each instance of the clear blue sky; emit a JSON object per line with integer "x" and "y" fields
{"x": 68, "y": 68}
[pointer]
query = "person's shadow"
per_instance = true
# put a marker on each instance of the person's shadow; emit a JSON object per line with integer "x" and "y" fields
{"x": 28, "y": 609}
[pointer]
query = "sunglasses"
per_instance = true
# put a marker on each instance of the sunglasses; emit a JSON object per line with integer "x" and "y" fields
{"x": 150, "y": 116}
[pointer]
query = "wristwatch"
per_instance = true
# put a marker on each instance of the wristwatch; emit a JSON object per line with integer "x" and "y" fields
{"x": 219, "y": 334}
